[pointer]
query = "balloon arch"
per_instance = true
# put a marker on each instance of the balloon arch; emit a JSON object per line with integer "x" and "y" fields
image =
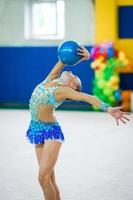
{"x": 106, "y": 82}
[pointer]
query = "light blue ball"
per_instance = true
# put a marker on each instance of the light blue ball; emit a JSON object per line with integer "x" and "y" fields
{"x": 67, "y": 52}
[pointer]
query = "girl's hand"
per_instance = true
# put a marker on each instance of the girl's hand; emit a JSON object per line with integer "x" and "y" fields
{"x": 118, "y": 114}
{"x": 82, "y": 51}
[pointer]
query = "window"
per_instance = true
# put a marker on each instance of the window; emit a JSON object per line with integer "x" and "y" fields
{"x": 125, "y": 18}
{"x": 45, "y": 19}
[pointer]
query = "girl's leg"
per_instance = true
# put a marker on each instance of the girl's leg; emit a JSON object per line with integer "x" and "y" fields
{"x": 47, "y": 155}
{"x": 38, "y": 150}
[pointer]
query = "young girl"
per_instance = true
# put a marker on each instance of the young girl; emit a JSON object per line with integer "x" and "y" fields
{"x": 45, "y": 132}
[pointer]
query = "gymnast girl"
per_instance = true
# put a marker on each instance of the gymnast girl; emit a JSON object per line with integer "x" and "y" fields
{"x": 44, "y": 130}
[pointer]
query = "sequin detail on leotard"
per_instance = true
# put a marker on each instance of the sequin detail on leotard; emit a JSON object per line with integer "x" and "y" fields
{"x": 42, "y": 95}
{"x": 39, "y": 131}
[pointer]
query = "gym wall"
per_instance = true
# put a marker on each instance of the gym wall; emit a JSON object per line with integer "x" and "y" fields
{"x": 25, "y": 63}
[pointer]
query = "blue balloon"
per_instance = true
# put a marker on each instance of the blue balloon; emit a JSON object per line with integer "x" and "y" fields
{"x": 67, "y": 52}
{"x": 110, "y": 52}
{"x": 118, "y": 95}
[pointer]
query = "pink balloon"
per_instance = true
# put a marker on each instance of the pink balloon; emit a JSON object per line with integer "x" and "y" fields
{"x": 93, "y": 51}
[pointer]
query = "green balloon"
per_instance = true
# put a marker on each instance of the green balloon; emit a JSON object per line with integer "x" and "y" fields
{"x": 101, "y": 83}
{"x": 99, "y": 75}
{"x": 112, "y": 99}
{"x": 107, "y": 91}
{"x": 102, "y": 96}
{"x": 96, "y": 108}
{"x": 96, "y": 90}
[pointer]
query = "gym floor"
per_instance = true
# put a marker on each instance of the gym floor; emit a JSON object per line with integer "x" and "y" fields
{"x": 95, "y": 162}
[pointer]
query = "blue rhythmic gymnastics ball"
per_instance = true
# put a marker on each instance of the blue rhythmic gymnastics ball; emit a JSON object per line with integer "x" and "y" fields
{"x": 67, "y": 52}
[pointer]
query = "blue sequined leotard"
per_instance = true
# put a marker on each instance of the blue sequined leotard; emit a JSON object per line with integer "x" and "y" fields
{"x": 40, "y": 131}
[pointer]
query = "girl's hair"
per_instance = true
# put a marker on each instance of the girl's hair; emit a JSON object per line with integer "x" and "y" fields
{"x": 79, "y": 85}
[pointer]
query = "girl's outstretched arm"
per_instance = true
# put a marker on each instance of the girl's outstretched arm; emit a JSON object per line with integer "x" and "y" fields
{"x": 115, "y": 112}
{"x": 55, "y": 72}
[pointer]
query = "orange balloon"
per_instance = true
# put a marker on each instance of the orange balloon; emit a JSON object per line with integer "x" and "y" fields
{"x": 126, "y": 106}
{"x": 126, "y": 95}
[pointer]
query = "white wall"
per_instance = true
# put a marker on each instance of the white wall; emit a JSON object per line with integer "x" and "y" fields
{"x": 79, "y": 23}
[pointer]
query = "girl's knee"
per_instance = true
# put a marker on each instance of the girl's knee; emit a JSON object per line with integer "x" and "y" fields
{"x": 43, "y": 179}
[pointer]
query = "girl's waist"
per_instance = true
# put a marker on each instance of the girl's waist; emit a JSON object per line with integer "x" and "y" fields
{"x": 43, "y": 123}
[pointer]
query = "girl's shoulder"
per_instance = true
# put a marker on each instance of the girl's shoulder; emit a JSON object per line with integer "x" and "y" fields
{"x": 46, "y": 80}
{"x": 64, "y": 91}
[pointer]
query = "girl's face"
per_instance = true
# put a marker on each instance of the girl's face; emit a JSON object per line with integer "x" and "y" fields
{"x": 69, "y": 79}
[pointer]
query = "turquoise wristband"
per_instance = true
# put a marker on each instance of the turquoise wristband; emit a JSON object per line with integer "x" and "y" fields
{"x": 104, "y": 106}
